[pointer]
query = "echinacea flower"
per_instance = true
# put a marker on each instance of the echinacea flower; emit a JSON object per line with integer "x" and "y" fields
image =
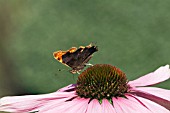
{"x": 101, "y": 88}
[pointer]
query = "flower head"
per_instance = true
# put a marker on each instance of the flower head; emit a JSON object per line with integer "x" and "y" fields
{"x": 100, "y": 89}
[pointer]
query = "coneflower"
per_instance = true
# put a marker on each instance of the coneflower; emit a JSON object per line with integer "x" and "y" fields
{"x": 100, "y": 88}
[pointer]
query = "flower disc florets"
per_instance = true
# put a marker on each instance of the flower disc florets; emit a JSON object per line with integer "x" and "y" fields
{"x": 101, "y": 81}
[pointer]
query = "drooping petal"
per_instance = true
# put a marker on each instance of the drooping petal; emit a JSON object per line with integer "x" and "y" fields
{"x": 152, "y": 106}
{"x": 29, "y": 103}
{"x": 127, "y": 105}
{"x": 159, "y": 92}
{"x": 117, "y": 107}
{"x": 77, "y": 105}
{"x": 25, "y": 98}
{"x": 21, "y": 107}
{"x": 160, "y": 75}
{"x": 107, "y": 107}
{"x": 58, "y": 94}
{"x": 158, "y": 95}
{"x": 94, "y": 107}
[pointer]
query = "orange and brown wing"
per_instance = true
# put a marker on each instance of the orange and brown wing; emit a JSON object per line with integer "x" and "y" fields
{"x": 58, "y": 55}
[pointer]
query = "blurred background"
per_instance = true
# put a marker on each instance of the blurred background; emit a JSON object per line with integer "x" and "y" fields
{"x": 132, "y": 35}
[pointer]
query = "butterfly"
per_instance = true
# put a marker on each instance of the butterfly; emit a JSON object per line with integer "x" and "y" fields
{"x": 76, "y": 58}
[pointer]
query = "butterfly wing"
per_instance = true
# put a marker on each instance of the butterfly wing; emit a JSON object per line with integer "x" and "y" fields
{"x": 80, "y": 57}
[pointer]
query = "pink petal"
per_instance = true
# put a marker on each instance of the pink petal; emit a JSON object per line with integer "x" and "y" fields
{"x": 94, "y": 107}
{"x": 117, "y": 107}
{"x": 69, "y": 87}
{"x": 160, "y": 75}
{"x": 57, "y": 94}
{"x": 77, "y": 105}
{"x": 152, "y": 106}
{"x": 159, "y": 92}
{"x": 22, "y": 108}
{"x": 158, "y": 95}
{"x": 17, "y": 99}
{"x": 127, "y": 105}
{"x": 27, "y": 104}
{"x": 30, "y": 103}
{"x": 50, "y": 105}
{"x": 107, "y": 107}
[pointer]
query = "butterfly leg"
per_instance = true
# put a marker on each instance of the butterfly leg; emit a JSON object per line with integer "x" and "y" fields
{"x": 88, "y": 64}
{"x": 78, "y": 72}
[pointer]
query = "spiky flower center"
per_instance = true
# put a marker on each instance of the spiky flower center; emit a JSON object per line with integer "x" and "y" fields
{"x": 101, "y": 81}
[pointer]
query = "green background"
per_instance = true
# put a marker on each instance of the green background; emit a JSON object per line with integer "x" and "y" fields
{"x": 133, "y": 35}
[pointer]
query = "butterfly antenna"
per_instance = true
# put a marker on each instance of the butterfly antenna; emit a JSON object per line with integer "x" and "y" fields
{"x": 63, "y": 69}
{"x": 56, "y": 74}
{"x": 73, "y": 76}
{"x": 93, "y": 43}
